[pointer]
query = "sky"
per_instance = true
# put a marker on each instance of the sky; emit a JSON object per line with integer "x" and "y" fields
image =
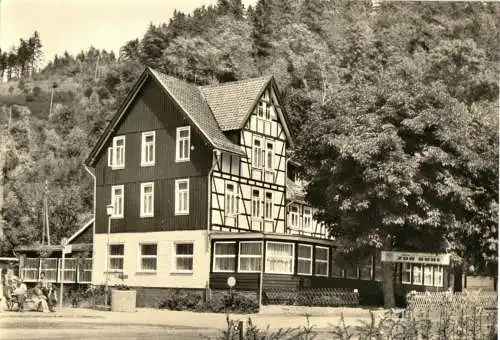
{"x": 75, "y": 25}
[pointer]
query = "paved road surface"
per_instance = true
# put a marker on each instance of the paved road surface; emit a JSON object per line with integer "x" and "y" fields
{"x": 50, "y": 328}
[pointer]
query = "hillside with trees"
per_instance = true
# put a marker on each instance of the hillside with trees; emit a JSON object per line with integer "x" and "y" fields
{"x": 394, "y": 108}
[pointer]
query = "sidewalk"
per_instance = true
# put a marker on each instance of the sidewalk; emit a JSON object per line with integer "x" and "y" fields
{"x": 273, "y": 316}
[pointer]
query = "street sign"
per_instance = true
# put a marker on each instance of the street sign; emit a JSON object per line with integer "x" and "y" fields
{"x": 231, "y": 281}
{"x": 67, "y": 249}
{"x": 410, "y": 257}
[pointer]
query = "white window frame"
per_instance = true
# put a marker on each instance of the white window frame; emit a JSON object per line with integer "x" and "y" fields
{"x": 258, "y": 153}
{"x": 215, "y": 256}
{"x": 307, "y": 220}
{"x": 438, "y": 273}
{"x": 316, "y": 260}
{"x": 145, "y": 146}
{"x": 296, "y": 214}
{"x": 257, "y": 202}
{"x": 414, "y": 276}
{"x": 139, "y": 262}
{"x": 268, "y": 206}
{"x": 428, "y": 269}
{"x": 144, "y": 213}
{"x": 292, "y": 257}
{"x": 406, "y": 268}
{"x": 179, "y": 144}
{"x": 240, "y": 256}
{"x": 118, "y": 209}
{"x": 231, "y": 200}
{"x": 310, "y": 259}
{"x": 122, "y": 257}
{"x": 114, "y": 151}
{"x": 178, "y": 192}
{"x": 267, "y": 151}
{"x": 184, "y": 256}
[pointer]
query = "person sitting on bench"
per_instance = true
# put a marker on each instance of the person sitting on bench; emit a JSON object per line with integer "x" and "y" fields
{"x": 40, "y": 299}
{"x": 19, "y": 293}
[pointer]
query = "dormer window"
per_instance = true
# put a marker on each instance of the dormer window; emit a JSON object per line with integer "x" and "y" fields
{"x": 116, "y": 153}
{"x": 148, "y": 149}
{"x": 183, "y": 144}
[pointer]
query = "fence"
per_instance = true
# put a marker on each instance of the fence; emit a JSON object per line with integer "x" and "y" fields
{"x": 331, "y": 297}
{"x": 75, "y": 270}
{"x": 468, "y": 315}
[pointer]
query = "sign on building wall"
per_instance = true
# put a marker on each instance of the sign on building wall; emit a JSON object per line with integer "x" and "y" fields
{"x": 409, "y": 257}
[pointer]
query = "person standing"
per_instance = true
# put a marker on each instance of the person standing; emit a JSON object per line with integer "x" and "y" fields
{"x": 51, "y": 297}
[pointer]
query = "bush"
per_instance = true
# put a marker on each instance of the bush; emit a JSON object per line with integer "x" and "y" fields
{"x": 220, "y": 303}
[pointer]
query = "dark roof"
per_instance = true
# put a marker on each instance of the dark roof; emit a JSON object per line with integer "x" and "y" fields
{"x": 232, "y": 102}
{"x": 194, "y": 105}
{"x": 56, "y": 247}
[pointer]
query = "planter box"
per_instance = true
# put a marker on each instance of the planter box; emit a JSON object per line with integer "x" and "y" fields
{"x": 123, "y": 300}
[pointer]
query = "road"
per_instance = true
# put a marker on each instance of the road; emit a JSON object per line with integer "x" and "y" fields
{"x": 26, "y": 328}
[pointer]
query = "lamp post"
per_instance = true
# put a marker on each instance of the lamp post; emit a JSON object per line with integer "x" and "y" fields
{"x": 109, "y": 212}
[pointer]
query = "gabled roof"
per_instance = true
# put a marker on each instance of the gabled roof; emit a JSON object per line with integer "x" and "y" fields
{"x": 194, "y": 105}
{"x": 81, "y": 230}
{"x": 232, "y": 102}
{"x": 190, "y": 100}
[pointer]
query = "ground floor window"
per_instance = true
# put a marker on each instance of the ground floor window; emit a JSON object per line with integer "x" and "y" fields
{"x": 115, "y": 255}
{"x": 304, "y": 259}
{"x": 250, "y": 256}
{"x": 418, "y": 274}
{"x": 183, "y": 257}
{"x": 321, "y": 261}
{"x": 224, "y": 257}
{"x": 279, "y": 257}
{"x": 148, "y": 260}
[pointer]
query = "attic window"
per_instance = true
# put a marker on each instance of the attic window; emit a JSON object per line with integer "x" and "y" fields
{"x": 183, "y": 144}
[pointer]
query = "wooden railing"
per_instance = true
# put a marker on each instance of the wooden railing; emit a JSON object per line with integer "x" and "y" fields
{"x": 75, "y": 270}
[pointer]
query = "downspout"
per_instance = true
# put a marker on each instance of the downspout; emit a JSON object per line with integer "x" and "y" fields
{"x": 215, "y": 152}
{"x": 92, "y": 173}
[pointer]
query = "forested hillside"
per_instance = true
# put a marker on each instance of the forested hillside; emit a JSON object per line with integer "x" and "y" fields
{"x": 394, "y": 108}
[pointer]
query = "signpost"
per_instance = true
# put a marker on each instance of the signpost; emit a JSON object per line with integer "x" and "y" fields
{"x": 66, "y": 249}
{"x": 231, "y": 282}
{"x": 420, "y": 258}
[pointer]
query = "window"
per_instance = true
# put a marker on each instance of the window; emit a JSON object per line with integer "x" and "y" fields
{"x": 256, "y": 204}
{"x": 304, "y": 259}
{"x": 307, "y": 220}
{"x": 438, "y": 276}
{"x": 279, "y": 258}
{"x": 260, "y": 111}
{"x": 294, "y": 217}
{"x": 269, "y": 156}
{"x": 268, "y": 206}
{"x": 417, "y": 274}
{"x": 184, "y": 257}
{"x": 116, "y": 153}
{"x": 405, "y": 272}
{"x": 147, "y": 261}
{"x": 351, "y": 271}
{"x": 428, "y": 275}
{"x": 365, "y": 269}
{"x": 250, "y": 256}
{"x": 258, "y": 153}
{"x": 148, "y": 148}
{"x": 183, "y": 144}
{"x": 224, "y": 256}
{"x": 321, "y": 261}
{"x": 116, "y": 253}
{"x": 117, "y": 201}
{"x": 231, "y": 202}
{"x": 337, "y": 271}
{"x": 182, "y": 197}
{"x": 147, "y": 199}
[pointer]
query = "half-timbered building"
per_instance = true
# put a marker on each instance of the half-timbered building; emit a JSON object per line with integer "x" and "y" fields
{"x": 201, "y": 189}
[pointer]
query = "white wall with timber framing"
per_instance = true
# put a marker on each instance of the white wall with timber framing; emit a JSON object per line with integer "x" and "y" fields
{"x": 259, "y": 179}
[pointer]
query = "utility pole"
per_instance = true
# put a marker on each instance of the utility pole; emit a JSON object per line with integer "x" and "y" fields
{"x": 46, "y": 217}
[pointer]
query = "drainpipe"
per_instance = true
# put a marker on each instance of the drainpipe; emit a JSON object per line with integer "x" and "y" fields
{"x": 92, "y": 174}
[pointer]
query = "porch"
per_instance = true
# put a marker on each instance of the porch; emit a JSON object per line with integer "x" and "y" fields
{"x": 75, "y": 270}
